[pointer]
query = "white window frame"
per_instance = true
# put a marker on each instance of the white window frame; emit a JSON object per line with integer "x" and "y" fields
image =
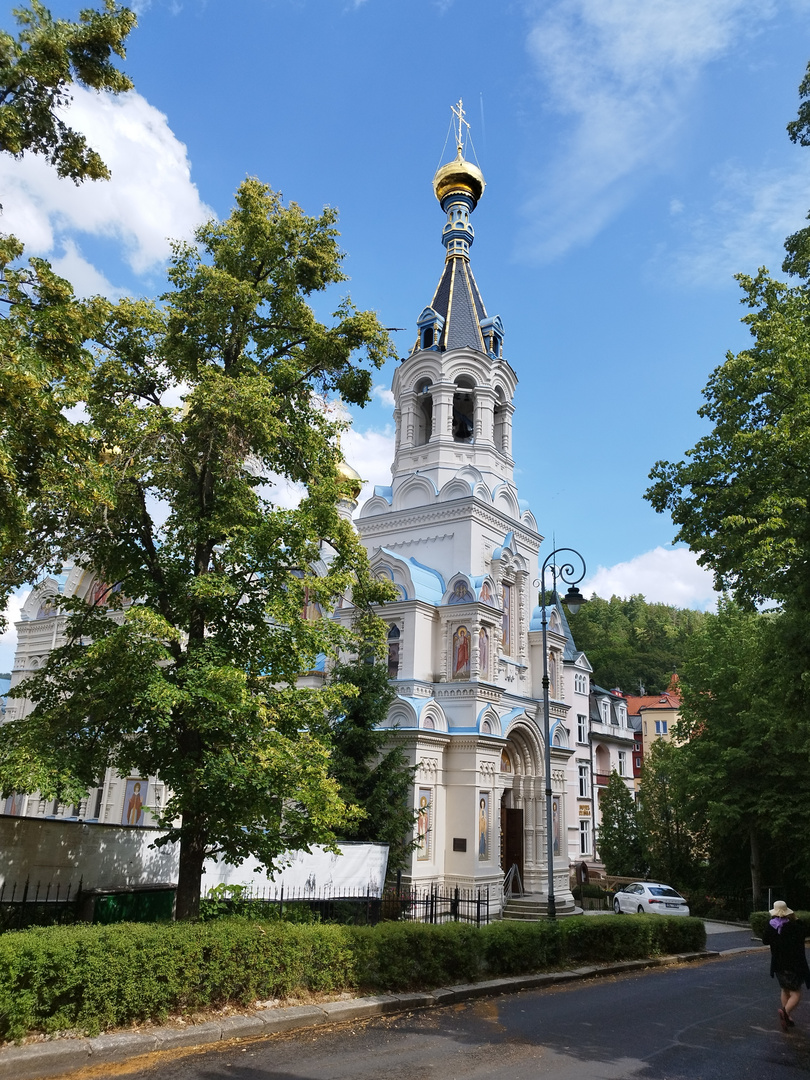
{"x": 622, "y": 763}
{"x": 584, "y": 836}
{"x": 584, "y": 780}
{"x": 582, "y": 728}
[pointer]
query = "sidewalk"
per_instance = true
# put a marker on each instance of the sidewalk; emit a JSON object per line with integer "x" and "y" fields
{"x": 62, "y": 1056}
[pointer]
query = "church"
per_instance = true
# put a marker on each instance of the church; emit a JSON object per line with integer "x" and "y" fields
{"x": 465, "y": 639}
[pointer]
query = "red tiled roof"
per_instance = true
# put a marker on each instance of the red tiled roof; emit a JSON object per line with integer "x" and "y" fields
{"x": 670, "y": 699}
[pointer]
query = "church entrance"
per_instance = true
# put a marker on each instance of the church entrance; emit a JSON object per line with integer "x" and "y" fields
{"x": 511, "y": 836}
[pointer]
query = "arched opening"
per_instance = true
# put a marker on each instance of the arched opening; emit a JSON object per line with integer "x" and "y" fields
{"x": 464, "y": 410}
{"x": 423, "y": 427}
{"x": 393, "y": 652}
{"x": 500, "y": 432}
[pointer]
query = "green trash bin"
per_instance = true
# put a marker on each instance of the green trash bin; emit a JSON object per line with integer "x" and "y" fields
{"x": 134, "y": 903}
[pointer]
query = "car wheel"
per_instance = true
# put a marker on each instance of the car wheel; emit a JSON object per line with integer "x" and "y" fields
{"x": 617, "y": 907}
{"x": 640, "y": 909}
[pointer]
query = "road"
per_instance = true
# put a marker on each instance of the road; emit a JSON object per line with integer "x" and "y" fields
{"x": 714, "y": 1020}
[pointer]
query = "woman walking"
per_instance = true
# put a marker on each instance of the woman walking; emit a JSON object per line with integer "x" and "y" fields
{"x": 785, "y": 934}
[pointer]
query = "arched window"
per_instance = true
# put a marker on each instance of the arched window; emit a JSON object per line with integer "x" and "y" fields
{"x": 464, "y": 410}
{"x": 393, "y": 652}
{"x": 500, "y": 432}
{"x": 423, "y": 427}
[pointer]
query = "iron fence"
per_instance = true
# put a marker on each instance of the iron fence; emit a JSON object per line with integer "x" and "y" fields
{"x": 433, "y": 904}
{"x": 38, "y": 904}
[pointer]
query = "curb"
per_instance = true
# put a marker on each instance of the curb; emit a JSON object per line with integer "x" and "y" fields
{"x": 60, "y": 1057}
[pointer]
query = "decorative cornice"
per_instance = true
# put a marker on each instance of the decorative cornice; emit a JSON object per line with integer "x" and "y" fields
{"x": 458, "y": 510}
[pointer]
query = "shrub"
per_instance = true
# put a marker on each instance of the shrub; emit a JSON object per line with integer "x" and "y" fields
{"x": 93, "y": 978}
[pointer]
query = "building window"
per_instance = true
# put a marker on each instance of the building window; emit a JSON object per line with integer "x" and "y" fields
{"x": 660, "y": 727}
{"x": 582, "y": 729}
{"x": 580, "y": 684}
{"x": 393, "y": 652}
{"x": 507, "y": 618}
{"x": 605, "y": 712}
{"x": 584, "y": 836}
{"x": 584, "y": 785}
{"x": 637, "y": 746}
{"x": 622, "y": 763}
{"x": 638, "y": 762}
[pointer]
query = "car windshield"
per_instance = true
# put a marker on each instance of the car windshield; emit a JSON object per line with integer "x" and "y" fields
{"x": 664, "y": 890}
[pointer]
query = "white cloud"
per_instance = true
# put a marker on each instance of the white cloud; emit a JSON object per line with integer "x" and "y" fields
{"x": 149, "y": 199}
{"x": 83, "y": 276}
{"x": 621, "y": 72}
{"x": 663, "y": 575}
{"x": 370, "y": 453}
{"x": 8, "y": 639}
{"x": 746, "y": 225}
{"x": 383, "y": 394}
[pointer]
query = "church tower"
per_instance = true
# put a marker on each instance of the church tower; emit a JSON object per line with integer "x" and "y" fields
{"x": 465, "y": 650}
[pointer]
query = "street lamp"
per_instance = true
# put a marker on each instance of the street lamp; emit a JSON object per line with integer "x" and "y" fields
{"x": 573, "y": 600}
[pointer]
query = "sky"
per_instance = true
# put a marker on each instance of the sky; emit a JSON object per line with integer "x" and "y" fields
{"x": 635, "y": 155}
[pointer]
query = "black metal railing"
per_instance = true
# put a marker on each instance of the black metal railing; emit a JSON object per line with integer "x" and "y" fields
{"x": 38, "y": 904}
{"x": 432, "y": 904}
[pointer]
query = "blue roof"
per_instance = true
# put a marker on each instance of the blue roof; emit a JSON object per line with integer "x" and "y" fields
{"x": 428, "y": 584}
{"x": 507, "y": 541}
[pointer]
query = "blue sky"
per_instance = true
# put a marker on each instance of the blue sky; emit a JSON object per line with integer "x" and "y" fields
{"x": 635, "y": 155}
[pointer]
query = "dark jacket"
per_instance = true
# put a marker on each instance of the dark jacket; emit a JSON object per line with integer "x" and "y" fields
{"x": 787, "y": 948}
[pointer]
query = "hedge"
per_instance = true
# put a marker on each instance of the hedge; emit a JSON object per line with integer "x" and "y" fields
{"x": 94, "y": 978}
{"x": 759, "y": 920}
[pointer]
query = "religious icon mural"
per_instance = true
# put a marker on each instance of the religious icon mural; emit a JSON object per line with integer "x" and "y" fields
{"x": 14, "y": 804}
{"x": 506, "y": 762}
{"x": 461, "y": 653}
{"x": 486, "y": 593}
{"x": 555, "y": 827}
{"x": 461, "y": 594}
{"x": 134, "y": 802}
{"x": 423, "y": 825}
{"x": 483, "y": 651}
{"x": 483, "y": 826}
{"x": 393, "y": 652}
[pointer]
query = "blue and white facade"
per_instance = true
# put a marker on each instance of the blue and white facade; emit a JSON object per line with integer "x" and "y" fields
{"x": 465, "y": 648}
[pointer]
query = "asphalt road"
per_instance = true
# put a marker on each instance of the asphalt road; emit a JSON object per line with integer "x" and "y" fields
{"x": 714, "y": 1020}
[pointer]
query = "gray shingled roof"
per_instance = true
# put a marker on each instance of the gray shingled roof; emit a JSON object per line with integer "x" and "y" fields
{"x": 458, "y": 300}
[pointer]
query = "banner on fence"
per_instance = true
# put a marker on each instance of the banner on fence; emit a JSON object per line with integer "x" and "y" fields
{"x": 359, "y": 869}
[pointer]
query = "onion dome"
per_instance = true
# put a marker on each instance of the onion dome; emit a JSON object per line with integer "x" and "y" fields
{"x": 459, "y": 177}
{"x": 353, "y": 479}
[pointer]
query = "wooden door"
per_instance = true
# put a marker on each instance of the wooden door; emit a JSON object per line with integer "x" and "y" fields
{"x": 512, "y": 825}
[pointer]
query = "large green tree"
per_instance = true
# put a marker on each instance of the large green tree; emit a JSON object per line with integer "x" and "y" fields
{"x": 197, "y": 408}
{"x": 371, "y": 774}
{"x": 44, "y": 330}
{"x": 632, "y": 643}
{"x": 618, "y": 841}
{"x": 671, "y": 837}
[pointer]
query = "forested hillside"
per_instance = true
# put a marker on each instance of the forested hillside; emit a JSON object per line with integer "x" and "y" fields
{"x": 631, "y": 643}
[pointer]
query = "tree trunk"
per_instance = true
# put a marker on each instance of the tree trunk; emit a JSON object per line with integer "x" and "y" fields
{"x": 192, "y": 857}
{"x": 756, "y": 869}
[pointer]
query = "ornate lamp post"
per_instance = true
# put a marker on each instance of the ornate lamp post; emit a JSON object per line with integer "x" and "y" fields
{"x": 573, "y": 600}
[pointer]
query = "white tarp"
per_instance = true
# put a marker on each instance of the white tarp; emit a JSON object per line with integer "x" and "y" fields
{"x": 358, "y": 871}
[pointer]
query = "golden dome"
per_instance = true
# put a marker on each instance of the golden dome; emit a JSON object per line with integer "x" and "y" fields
{"x": 347, "y": 475}
{"x": 459, "y": 175}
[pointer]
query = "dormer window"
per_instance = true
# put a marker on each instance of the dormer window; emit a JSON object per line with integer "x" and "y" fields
{"x": 430, "y": 325}
{"x": 492, "y": 333}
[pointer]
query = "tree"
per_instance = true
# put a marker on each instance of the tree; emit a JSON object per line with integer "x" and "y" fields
{"x": 747, "y": 748}
{"x": 671, "y": 840}
{"x": 630, "y": 642}
{"x": 618, "y": 841}
{"x": 44, "y": 330}
{"x": 379, "y": 782}
{"x": 196, "y": 408}
{"x": 37, "y": 69}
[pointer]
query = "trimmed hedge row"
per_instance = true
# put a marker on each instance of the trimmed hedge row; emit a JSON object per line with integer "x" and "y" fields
{"x": 759, "y": 920}
{"x": 93, "y": 978}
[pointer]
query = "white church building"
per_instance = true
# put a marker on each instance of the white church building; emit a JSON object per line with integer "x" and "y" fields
{"x": 465, "y": 641}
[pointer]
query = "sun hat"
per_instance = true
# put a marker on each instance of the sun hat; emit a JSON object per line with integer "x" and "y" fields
{"x": 780, "y": 910}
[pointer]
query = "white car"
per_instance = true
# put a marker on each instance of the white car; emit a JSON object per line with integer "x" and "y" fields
{"x": 649, "y": 898}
